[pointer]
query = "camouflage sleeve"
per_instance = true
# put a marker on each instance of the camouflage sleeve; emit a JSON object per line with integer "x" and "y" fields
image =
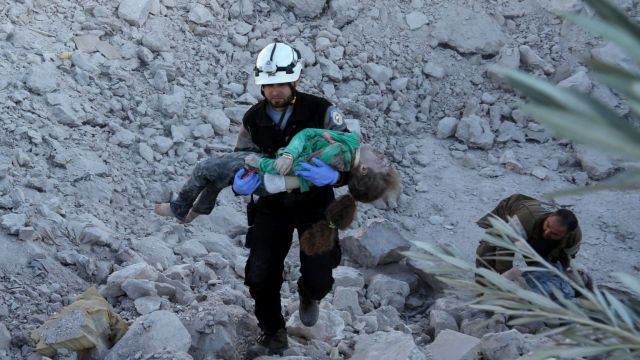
{"x": 334, "y": 120}
{"x": 244, "y": 142}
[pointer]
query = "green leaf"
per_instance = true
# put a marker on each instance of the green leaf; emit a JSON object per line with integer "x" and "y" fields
{"x": 611, "y": 14}
{"x": 632, "y": 283}
{"x": 624, "y": 181}
{"x": 611, "y": 32}
{"x": 582, "y": 130}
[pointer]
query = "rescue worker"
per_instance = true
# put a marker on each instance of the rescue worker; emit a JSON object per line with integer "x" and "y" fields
{"x": 553, "y": 233}
{"x": 266, "y": 127}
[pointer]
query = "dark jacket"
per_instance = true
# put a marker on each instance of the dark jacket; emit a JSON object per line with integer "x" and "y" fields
{"x": 260, "y": 133}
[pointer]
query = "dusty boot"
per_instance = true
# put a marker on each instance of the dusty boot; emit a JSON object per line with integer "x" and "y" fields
{"x": 269, "y": 343}
{"x": 308, "y": 310}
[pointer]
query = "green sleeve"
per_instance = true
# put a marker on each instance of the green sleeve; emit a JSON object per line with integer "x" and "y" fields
{"x": 297, "y": 143}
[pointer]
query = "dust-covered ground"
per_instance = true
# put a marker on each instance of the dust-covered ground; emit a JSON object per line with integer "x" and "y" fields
{"x": 106, "y": 106}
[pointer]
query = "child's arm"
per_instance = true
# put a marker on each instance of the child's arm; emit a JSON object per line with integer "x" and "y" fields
{"x": 278, "y": 183}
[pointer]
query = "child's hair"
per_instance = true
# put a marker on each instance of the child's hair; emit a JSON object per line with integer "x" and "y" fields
{"x": 341, "y": 212}
{"x": 372, "y": 186}
{"x": 320, "y": 237}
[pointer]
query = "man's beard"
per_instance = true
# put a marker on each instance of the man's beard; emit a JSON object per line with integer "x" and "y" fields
{"x": 281, "y": 104}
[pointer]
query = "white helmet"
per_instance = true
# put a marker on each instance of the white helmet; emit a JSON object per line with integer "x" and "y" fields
{"x": 277, "y": 63}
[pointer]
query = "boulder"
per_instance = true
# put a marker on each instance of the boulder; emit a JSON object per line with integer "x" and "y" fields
{"x": 376, "y": 242}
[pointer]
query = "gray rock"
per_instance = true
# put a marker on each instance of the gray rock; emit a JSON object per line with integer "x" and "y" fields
{"x": 475, "y": 132}
{"x": 385, "y": 290}
{"x": 508, "y": 131}
{"x": 539, "y": 172}
{"x": 530, "y": 58}
{"x": 387, "y": 345}
{"x": 346, "y": 298}
{"x": 346, "y": 276}
{"x": 200, "y": 15}
{"x": 478, "y": 327}
{"x": 596, "y": 164}
{"x": 505, "y": 345}
{"x": 145, "y": 55}
{"x": 441, "y": 320}
{"x": 379, "y": 73}
{"x": 329, "y": 326}
{"x": 387, "y": 318}
{"x": 434, "y": 70}
{"x": 307, "y": 54}
{"x": 559, "y": 6}
{"x": 478, "y": 33}
{"x": 453, "y": 345}
{"x": 509, "y": 57}
{"x": 446, "y": 127}
{"x": 123, "y": 137}
{"x": 5, "y": 337}
{"x": 416, "y": 20}
{"x": 156, "y": 42}
{"x": 42, "y": 78}
{"x": 172, "y": 104}
{"x": 97, "y": 234}
{"x": 203, "y": 131}
{"x": 227, "y": 220}
{"x": 160, "y": 81}
{"x": 204, "y": 272}
{"x": 322, "y": 43}
{"x": 135, "y": 12}
{"x": 614, "y": 55}
{"x": 181, "y": 272}
{"x": 304, "y": 8}
{"x": 83, "y": 62}
{"x": 147, "y": 304}
{"x": 399, "y": 84}
{"x": 192, "y": 249}
{"x": 344, "y": 12}
{"x": 508, "y": 159}
{"x": 136, "y": 288}
{"x": 12, "y": 223}
{"x": 219, "y": 120}
{"x": 236, "y": 113}
{"x": 149, "y": 334}
{"x": 145, "y": 152}
{"x": 113, "y": 286}
{"x": 579, "y": 81}
{"x": 420, "y": 267}
{"x": 376, "y": 242}
{"x": 154, "y": 251}
{"x": 180, "y": 133}
{"x": 330, "y": 69}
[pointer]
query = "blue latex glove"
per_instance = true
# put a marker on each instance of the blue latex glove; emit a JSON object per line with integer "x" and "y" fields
{"x": 247, "y": 185}
{"x": 319, "y": 175}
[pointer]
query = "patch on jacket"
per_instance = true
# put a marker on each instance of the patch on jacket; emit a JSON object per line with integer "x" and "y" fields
{"x": 337, "y": 118}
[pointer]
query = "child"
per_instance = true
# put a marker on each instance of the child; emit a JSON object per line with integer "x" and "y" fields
{"x": 370, "y": 178}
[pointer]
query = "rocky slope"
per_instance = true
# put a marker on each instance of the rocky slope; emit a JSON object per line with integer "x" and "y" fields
{"x": 105, "y": 107}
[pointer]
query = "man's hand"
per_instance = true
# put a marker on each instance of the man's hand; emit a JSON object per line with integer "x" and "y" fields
{"x": 245, "y": 185}
{"x": 319, "y": 175}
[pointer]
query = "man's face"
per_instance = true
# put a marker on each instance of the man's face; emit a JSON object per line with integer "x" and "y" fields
{"x": 278, "y": 95}
{"x": 552, "y": 229}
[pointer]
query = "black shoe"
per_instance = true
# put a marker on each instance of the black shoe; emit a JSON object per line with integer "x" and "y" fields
{"x": 269, "y": 343}
{"x": 308, "y": 311}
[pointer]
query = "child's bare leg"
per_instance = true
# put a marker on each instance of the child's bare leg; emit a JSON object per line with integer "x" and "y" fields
{"x": 163, "y": 209}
